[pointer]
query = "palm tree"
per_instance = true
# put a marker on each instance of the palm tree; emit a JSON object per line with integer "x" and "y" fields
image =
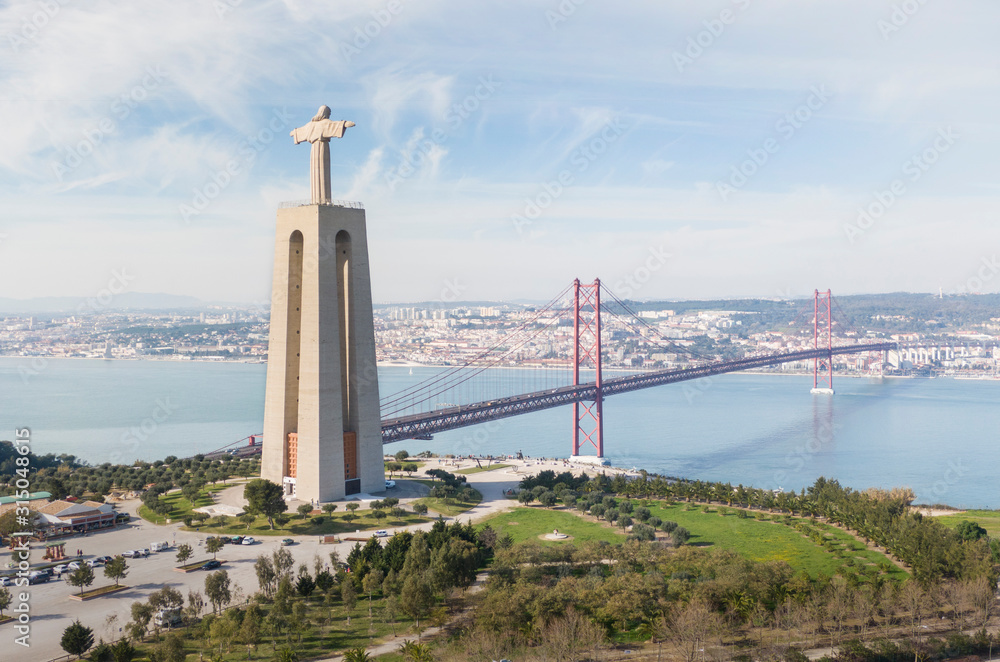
{"x": 357, "y": 655}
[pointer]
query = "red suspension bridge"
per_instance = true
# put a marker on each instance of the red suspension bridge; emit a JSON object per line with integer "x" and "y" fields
{"x": 429, "y": 407}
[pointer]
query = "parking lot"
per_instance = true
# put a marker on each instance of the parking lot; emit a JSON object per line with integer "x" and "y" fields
{"x": 52, "y": 610}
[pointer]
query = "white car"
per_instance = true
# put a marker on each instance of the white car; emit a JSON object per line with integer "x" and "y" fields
{"x": 75, "y": 565}
{"x": 248, "y": 541}
{"x": 389, "y": 484}
{"x": 94, "y": 563}
{"x": 382, "y": 533}
{"x": 60, "y": 569}
{"x": 130, "y": 553}
{"x": 5, "y": 581}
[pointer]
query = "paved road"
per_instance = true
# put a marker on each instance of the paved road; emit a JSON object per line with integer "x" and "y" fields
{"x": 52, "y": 610}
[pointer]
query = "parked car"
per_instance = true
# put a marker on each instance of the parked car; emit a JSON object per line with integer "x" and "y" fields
{"x": 212, "y": 565}
{"x": 38, "y": 577}
{"x": 94, "y": 563}
{"x": 381, "y": 533}
{"x": 130, "y": 553}
{"x": 159, "y": 546}
{"x": 389, "y": 484}
{"x": 6, "y": 581}
{"x": 234, "y": 540}
{"x": 248, "y": 541}
{"x": 75, "y": 565}
{"x": 105, "y": 559}
{"x": 142, "y": 552}
{"x": 60, "y": 569}
{"x": 285, "y": 542}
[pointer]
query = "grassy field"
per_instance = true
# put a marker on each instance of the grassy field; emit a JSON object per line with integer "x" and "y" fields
{"x": 323, "y": 633}
{"x": 528, "y": 523}
{"x": 476, "y": 470}
{"x": 450, "y": 507}
{"x": 331, "y": 525}
{"x": 988, "y": 519}
{"x": 181, "y": 507}
{"x": 772, "y": 540}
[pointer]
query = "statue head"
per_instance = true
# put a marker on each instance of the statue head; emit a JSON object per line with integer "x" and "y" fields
{"x": 322, "y": 114}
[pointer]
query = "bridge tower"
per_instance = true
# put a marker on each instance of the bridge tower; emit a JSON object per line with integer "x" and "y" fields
{"x": 823, "y": 339}
{"x": 588, "y": 424}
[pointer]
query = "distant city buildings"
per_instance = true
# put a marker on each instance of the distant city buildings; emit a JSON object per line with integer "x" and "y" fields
{"x": 438, "y": 335}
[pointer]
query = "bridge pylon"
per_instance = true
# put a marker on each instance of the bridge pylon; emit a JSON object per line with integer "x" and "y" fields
{"x": 588, "y": 424}
{"x": 823, "y": 339}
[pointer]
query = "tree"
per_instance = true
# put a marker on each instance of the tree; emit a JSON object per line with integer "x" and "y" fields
{"x": 967, "y": 530}
{"x": 265, "y": 498}
{"x": 4, "y": 599}
{"x": 417, "y": 597}
{"x": 305, "y": 585}
{"x": 688, "y": 627}
{"x": 401, "y": 455}
{"x": 420, "y": 508}
{"x": 248, "y": 519}
{"x": 123, "y": 651}
{"x": 77, "y": 638}
{"x": 250, "y": 628}
{"x": 184, "y": 552}
{"x": 142, "y": 613}
{"x": 525, "y": 497}
{"x": 283, "y": 561}
{"x": 410, "y": 468}
{"x": 547, "y": 498}
{"x": 329, "y": 508}
{"x": 217, "y": 589}
{"x": 83, "y": 576}
{"x": 371, "y": 583}
{"x": 351, "y": 507}
{"x": 266, "y": 574}
{"x": 349, "y": 597}
{"x": 213, "y": 545}
{"x": 166, "y": 598}
{"x": 304, "y": 510}
{"x": 286, "y": 654}
{"x": 171, "y": 649}
{"x": 117, "y": 569}
{"x": 679, "y": 536}
{"x": 9, "y": 524}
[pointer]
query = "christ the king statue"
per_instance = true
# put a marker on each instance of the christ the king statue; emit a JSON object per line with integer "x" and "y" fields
{"x": 318, "y": 132}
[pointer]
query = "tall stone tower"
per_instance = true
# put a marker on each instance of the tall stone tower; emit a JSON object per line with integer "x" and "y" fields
{"x": 322, "y": 431}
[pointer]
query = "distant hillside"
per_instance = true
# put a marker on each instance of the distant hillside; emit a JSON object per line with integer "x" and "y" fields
{"x": 900, "y": 312}
{"x": 124, "y": 301}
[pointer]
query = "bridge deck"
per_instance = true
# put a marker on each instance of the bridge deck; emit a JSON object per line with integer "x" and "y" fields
{"x": 450, "y": 418}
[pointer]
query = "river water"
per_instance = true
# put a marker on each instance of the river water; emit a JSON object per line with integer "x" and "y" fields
{"x": 938, "y": 436}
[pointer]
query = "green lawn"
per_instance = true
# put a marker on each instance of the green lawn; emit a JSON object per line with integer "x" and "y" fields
{"x": 397, "y": 474}
{"x": 450, "y": 507}
{"x": 335, "y": 524}
{"x": 527, "y": 523}
{"x": 988, "y": 519}
{"x": 476, "y": 470}
{"x": 772, "y": 540}
{"x": 181, "y": 507}
{"x": 324, "y": 633}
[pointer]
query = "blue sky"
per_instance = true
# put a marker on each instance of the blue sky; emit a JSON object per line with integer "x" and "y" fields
{"x": 504, "y": 148}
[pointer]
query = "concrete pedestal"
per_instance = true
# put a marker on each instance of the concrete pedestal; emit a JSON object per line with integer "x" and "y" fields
{"x": 322, "y": 382}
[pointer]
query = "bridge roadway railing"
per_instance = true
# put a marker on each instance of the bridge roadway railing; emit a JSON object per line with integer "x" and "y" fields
{"x": 450, "y": 418}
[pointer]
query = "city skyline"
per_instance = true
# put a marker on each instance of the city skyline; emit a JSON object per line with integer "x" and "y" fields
{"x": 503, "y": 151}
